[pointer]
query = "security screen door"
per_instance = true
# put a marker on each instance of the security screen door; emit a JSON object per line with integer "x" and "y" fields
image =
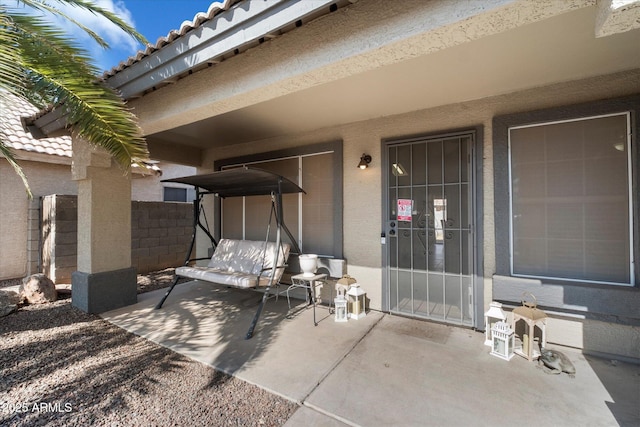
{"x": 429, "y": 229}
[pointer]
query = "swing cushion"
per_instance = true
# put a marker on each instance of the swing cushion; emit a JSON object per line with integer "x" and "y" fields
{"x": 239, "y": 263}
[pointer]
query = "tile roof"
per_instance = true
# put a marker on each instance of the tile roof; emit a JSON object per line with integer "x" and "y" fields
{"x": 14, "y": 135}
{"x": 186, "y": 26}
{"x": 14, "y": 110}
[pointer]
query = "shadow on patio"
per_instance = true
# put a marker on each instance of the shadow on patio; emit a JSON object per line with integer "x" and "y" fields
{"x": 622, "y": 382}
{"x": 287, "y": 356}
{"x": 380, "y": 370}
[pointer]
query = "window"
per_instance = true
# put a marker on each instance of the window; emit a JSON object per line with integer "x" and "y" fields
{"x": 311, "y": 218}
{"x": 571, "y": 203}
{"x": 174, "y": 194}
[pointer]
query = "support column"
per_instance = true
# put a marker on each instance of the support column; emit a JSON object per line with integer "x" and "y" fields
{"x": 105, "y": 279}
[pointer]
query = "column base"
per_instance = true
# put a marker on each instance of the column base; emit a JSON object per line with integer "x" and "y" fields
{"x": 100, "y": 292}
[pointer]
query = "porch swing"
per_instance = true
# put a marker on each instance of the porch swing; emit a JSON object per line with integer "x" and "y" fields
{"x": 243, "y": 264}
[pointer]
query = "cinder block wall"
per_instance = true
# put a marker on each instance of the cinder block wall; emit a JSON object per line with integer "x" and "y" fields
{"x": 160, "y": 235}
{"x": 33, "y": 237}
{"x": 59, "y": 237}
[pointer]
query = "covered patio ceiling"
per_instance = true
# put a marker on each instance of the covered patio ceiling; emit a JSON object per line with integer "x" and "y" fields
{"x": 559, "y": 49}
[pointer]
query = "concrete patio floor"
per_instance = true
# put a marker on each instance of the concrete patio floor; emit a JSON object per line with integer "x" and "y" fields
{"x": 382, "y": 370}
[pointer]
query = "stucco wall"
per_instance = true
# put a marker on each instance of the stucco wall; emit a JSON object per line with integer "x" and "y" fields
{"x": 44, "y": 178}
{"x": 19, "y": 228}
{"x": 363, "y": 189}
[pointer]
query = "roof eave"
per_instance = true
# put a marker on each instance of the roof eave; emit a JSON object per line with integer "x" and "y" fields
{"x": 225, "y": 31}
{"x": 49, "y": 123}
{"x": 230, "y": 32}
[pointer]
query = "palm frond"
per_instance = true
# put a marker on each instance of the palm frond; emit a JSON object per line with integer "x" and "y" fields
{"x": 11, "y": 73}
{"x": 42, "y": 5}
{"x": 60, "y": 73}
{"x": 42, "y": 64}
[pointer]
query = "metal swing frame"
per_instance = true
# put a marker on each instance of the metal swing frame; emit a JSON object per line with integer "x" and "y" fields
{"x": 240, "y": 182}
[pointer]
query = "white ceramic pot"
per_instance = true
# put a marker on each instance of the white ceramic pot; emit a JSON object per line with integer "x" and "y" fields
{"x": 308, "y": 264}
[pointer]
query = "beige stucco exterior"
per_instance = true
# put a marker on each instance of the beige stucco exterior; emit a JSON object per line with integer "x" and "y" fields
{"x": 362, "y": 213}
{"x": 19, "y": 229}
{"x": 374, "y": 71}
{"x": 44, "y": 178}
{"x": 447, "y": 52}
{"x": 104, "y": 210}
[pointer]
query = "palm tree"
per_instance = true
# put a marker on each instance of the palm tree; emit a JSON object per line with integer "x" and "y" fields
{"x": 40, "y": 63}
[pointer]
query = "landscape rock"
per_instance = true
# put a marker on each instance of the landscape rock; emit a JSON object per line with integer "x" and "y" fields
{"x": 38, "y": 289}
{"x": 9, "y": 301}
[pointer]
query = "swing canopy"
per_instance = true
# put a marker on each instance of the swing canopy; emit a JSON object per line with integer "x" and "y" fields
{"x": 241, "y": 182}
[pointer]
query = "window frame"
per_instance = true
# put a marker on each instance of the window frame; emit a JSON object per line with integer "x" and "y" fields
{"x": 630, "y": 207}
{"x": 597, "y": 301}
{"x": 334, "y": 148}
{"x": 189, "y": 193}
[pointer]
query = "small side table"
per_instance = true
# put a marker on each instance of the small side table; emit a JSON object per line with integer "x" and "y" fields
{"x": 309, "y": 283}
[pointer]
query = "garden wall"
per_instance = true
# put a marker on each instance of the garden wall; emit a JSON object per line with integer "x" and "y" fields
{"x": 160, "y": 235}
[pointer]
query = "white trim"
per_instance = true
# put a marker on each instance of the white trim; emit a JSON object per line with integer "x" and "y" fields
{"x": 555, "y": 122}
{"x": 630, "y": 187}
{"x": 300, "y": 205}
{"x": 300, "y": 158}
{"x": 630, "y": 199}
{"x": 564, "y": 279}
{"x": 510, "y": 201}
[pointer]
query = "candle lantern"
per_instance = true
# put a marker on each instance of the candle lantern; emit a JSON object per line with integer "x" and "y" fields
{"x": 340, "y": 304}
{"x": 357, "y": 300}
{"x": 532, "y": 317}
{"x": 493, "y": 315}
{"x": 343, "y": 284}
{"x": 502, "y": 337}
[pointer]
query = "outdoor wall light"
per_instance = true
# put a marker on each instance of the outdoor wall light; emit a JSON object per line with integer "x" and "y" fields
{"x": 364, "y": 161}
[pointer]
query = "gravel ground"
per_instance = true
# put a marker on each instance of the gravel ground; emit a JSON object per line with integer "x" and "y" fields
{"x": 60, "y": 367}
